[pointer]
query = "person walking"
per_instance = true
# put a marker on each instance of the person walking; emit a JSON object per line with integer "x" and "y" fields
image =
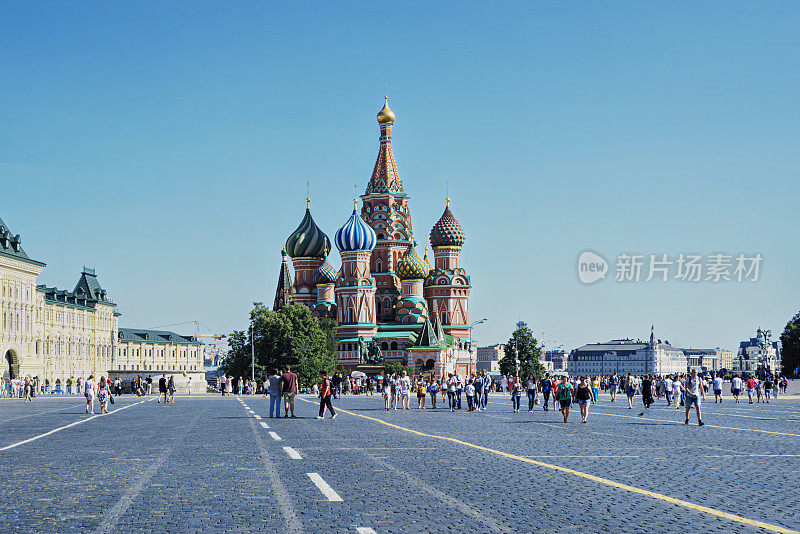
{"x": 103, "y": 394}
{"x": 751, "y": 388}
{"x": 716, "y": 384}
{"x": 613, "y": 384}
{"x": 274, "y": 391}
{"x": 564, "y": 395}
{"x": 433, "y": 388}
{"x": 421, "y": 392}
{"x": 405, "y": 390}
{"x": 595, "y": 388}
{"x": 289, "y": 391}
{"x": 451, "y": 392}
{"x": 162, "y": 388}
{"x": 188, "y": 385}
{"x": 487, "y": 387}
{"x": 768, "y": 388}
{"x": 736, "y": 387}
{"x": 89, "y": 392}
{"x": 459, "y": 388}
{"x": 148, "y": 385}
{"x": 647, "y": 392}
{"x": 583, "y": 396}
{"x": 546, "y": 385}
{"x": 630, "y": 389}
{"x": 693, "y": 390}
{"x": 325, "y": 394}
{"x": 531, "y": 391}
{"x": 516, "y": 393}
{"x": 171, "y": 389}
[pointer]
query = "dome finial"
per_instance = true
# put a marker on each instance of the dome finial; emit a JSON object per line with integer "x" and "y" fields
{"x": 447, "y": 194}
{"x": 386, "y": 115}
{"x": 355, "y": 196}
{"x": 308, "y": 195}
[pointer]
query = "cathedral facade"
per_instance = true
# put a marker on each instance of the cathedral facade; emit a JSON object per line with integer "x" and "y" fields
{"x": 384, "y": 294}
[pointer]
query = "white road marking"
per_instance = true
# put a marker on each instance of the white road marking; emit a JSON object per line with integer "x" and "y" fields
{"x": 263, "y": 424}
{"x": 293, "y": 454}
{"x": 324, "y": 487}
{"x": 40, "y": 436}
{"x": 275, "y": 436}
{"x": 257, "y": 416}
{"x": 365, "y": 530}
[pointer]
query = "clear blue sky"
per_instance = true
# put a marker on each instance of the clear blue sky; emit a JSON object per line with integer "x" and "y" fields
{"x": 168, "y": 145}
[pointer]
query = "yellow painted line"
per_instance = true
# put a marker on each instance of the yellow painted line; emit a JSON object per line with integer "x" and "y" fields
{"x": 709, "y": 426}
{"x": 632, "y": 489}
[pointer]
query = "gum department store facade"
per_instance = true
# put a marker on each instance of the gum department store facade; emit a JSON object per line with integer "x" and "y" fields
{"x": 384, "y": 293}
{"x": 55, "y": 334}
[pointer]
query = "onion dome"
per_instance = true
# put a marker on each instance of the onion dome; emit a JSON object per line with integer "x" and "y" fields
{"x": 385, "y": 115}
{"x": 447, "y": 232}
{"x": 308, "y": 241}
{"x": 355, "y": 235}
{"x": 325, "y": 273}
{"x": 411, "y": 266}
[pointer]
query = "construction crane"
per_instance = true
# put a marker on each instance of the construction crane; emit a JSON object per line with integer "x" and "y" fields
{"x": 552, "y": 340}
{"x": 206, "y": 336}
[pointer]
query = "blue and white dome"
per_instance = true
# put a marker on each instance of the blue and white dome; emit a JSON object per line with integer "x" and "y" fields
{"x": 355, "y": 235}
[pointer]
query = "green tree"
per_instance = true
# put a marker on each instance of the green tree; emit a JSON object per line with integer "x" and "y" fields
{"x": 290, "y": 336}
{"x": 790, "y": 346}
{"x": 395, "y": 367}
{"x": 523, "y": 346}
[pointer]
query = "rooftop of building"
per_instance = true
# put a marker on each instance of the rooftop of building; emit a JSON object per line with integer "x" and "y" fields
{"x": 140, "y": 335}
{"x": 88, "y": 293}
{"x": 11, "y": 245}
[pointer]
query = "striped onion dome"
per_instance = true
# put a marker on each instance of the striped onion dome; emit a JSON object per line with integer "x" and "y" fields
{"x": 447, "y": 232}
{"x": 308, "y": 241}
{"x": 411, "y": 266}
{"x": 325, "y": 273}
{"x": 355, "y": 235}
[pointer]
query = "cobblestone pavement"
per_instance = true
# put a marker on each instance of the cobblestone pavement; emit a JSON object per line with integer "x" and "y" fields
{"x": 207, "y": 463}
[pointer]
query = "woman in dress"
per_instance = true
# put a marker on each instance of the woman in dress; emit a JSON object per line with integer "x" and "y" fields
{"x": 103, "y": 393}
{"x": 89, "y": 392}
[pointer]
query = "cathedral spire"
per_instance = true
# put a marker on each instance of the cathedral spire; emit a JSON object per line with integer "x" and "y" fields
{"x": 284, "y": 285}
{"x": 385, "y": 178}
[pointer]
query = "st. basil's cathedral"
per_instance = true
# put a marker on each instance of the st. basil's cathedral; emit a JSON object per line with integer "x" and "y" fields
{"x": 384, "y": 292}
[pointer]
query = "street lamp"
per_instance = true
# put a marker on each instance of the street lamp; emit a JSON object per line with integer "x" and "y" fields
{"x": 253, "y": 352}
{"x": 471, "y": 326}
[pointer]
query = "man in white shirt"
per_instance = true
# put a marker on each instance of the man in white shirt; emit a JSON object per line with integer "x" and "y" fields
{"x": 716, "y": 385}
{"x": 693, "y": 390}
{"x": 405, "y": 390}
{"x": 736, "y": 387}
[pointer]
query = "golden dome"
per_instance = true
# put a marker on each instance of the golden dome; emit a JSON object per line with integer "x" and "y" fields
{"x": 385, "y": 115}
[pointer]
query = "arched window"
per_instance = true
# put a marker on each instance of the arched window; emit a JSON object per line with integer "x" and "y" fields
{"x": 394, "y": 345}
{"x": 384, "y": 346}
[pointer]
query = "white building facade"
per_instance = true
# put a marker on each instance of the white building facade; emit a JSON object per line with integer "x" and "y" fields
{"x": 625, "y": 356}
{"x": 54, "y": 334}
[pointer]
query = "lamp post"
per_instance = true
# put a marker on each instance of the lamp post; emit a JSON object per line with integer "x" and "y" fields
{"x": 253, "y": 352}
{"x": 471, "y": 326}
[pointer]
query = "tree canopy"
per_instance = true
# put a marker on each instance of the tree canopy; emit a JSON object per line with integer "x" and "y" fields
{"x": 290, "y": 336}
{"x": 790, "y": 346}
{"x": 522, "y": 342}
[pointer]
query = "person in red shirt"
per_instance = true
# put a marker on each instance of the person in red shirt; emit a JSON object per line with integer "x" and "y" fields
{"x": 751, "y": 388}
{"x": 325, "y": 393}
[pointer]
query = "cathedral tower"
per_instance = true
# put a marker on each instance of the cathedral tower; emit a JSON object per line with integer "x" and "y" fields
{"x": 355, "y": 286}
{"x": 308, "y": 246}
{"x": 448, "y": 284}
{"x": 385, "y": 209}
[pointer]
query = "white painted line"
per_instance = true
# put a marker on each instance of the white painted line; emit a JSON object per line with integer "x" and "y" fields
{"x": 252, "y": 412}
{"x": 7, "y": 447}
{"x": 257, "y": 416}
{"x": 324, "y": 487}
{"x": 275, "y": 436}
{"x": 293, "y": 454}
{"x": 263, "y": 424}
{"x": 365, "y": 530}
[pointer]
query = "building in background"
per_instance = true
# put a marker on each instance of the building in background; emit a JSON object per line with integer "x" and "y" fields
{"x": 385, "y": 295}
{"x": 55, "y": 334}
{"x": 758, "y": 355}
{"x": 715, "y": 359}
{"x": 557, "y": 359}
{"x": 489, "y": 357}
{"x": 627, "y": 356}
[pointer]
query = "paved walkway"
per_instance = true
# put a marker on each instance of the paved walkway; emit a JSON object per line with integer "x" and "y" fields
{"x": 209, "y": 463}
